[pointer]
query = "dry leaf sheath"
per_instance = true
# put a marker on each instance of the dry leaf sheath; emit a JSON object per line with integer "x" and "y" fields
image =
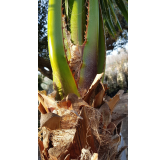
{"x": 75, "y": 129}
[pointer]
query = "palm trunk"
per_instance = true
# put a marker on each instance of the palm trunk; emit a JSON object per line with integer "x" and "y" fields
{"x": 76, "y": 128}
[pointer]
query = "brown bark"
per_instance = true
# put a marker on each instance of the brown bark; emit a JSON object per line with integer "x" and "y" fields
{"x": 82, "y": 139}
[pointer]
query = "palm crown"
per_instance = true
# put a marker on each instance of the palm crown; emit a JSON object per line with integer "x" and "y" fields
{"x": 78, "y": 54}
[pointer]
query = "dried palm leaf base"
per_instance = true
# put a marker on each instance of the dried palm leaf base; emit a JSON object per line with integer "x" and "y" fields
{"x": 77, "y": 128}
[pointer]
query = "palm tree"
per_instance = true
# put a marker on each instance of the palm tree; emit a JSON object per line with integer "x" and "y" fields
{"x": 76, "y": 42}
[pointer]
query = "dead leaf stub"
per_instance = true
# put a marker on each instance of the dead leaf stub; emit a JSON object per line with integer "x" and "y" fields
{"x": 90, "y": 93}
{"x": 76, "y": 103}
{"x": 100, "y": 92}
{"x": 113, "y": 101}
{"x": 116, "y": 120}
{"x": 41, "y": 108}
{"x": 106, "y": 116}
{"x": 47, "y": 102}
{"x": 51, "y": 121}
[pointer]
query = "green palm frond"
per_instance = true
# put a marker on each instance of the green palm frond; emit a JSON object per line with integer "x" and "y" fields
{"x": 114, "y": 16}
{"x": 110, "y": 15}
{"x": 122, "y": 8}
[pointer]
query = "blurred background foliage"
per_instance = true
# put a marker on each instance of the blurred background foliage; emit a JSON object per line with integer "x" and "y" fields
{"x": 116, "y": 72}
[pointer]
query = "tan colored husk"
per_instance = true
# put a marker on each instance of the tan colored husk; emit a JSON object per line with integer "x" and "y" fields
{"x": 84, "y": 130}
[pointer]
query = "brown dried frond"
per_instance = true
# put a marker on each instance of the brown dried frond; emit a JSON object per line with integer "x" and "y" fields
{"x": 89, "y": 95}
